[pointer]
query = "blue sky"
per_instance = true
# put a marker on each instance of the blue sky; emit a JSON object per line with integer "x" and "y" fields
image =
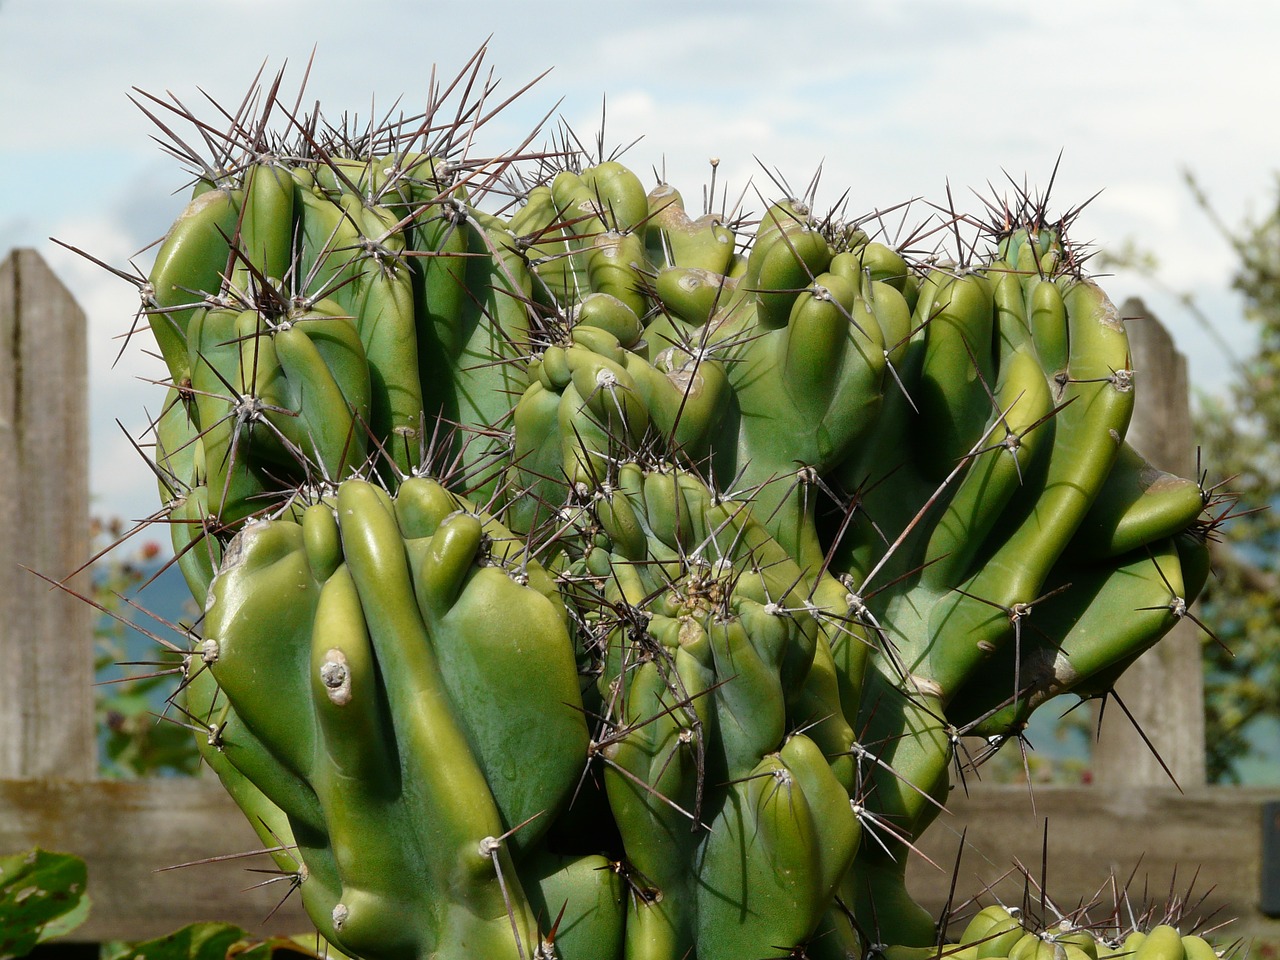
{"x": 895, "y": 100}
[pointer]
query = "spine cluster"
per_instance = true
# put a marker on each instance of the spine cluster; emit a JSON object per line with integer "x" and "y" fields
{"x": 588, "y": 578}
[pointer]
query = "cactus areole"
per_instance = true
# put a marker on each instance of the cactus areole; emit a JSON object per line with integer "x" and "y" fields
{"x": 590, "y": 575}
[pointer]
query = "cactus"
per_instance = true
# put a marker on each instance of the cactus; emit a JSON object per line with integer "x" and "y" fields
{"x": 999, "y": 931}
{"x": 588, "y": 578}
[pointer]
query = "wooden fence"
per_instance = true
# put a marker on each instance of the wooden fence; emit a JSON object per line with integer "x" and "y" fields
{"x": 128, "y": 831}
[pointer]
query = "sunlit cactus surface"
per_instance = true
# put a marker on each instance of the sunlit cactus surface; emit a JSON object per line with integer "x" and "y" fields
{"x": 594, "y": 570}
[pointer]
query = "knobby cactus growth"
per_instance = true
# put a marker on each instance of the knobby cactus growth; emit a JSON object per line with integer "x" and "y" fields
{"x": 585, "y": 576}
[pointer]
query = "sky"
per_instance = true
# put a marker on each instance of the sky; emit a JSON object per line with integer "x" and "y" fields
{"x": 893, "y": 100}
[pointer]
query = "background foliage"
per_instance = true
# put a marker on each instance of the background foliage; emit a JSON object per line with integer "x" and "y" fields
{"x": 137, "y": 735}
{"x": 1239, "y": 436}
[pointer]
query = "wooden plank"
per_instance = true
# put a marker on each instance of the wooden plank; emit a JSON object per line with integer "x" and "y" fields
{"x": 46, "y": 713}
{"x": 126, "y": 831}
{"x": 1211, "y": 835}
{"x": 1164, "y": 689}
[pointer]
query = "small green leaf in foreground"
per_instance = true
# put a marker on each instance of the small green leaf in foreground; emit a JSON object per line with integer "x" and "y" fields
{"x": 42, "y": 895}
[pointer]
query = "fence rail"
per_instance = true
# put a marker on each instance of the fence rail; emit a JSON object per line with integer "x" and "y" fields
{"x": 130, "y": 832}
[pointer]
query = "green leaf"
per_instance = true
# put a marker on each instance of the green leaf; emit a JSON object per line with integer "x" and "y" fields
{"x": 275, "y": 948}
{"x": 42, "y": 895}
{"x": 198, "y": 941}
{"x": 217, "y": 941}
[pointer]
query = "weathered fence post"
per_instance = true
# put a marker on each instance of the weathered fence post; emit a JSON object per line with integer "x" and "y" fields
{"x": 46, "y": 711}
{"x": 1164, "y": 689}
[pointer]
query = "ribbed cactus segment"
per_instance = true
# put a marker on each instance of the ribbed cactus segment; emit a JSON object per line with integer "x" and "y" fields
{"x": 431, "y": 666}
{"x": 585, "y": 577}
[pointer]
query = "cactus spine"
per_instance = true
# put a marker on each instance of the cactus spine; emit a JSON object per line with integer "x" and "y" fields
{"x": 588, "y": 578}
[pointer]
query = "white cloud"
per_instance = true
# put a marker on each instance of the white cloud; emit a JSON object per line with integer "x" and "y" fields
{"x": 896, "y": 100}
{"x": 121, "y": 484}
